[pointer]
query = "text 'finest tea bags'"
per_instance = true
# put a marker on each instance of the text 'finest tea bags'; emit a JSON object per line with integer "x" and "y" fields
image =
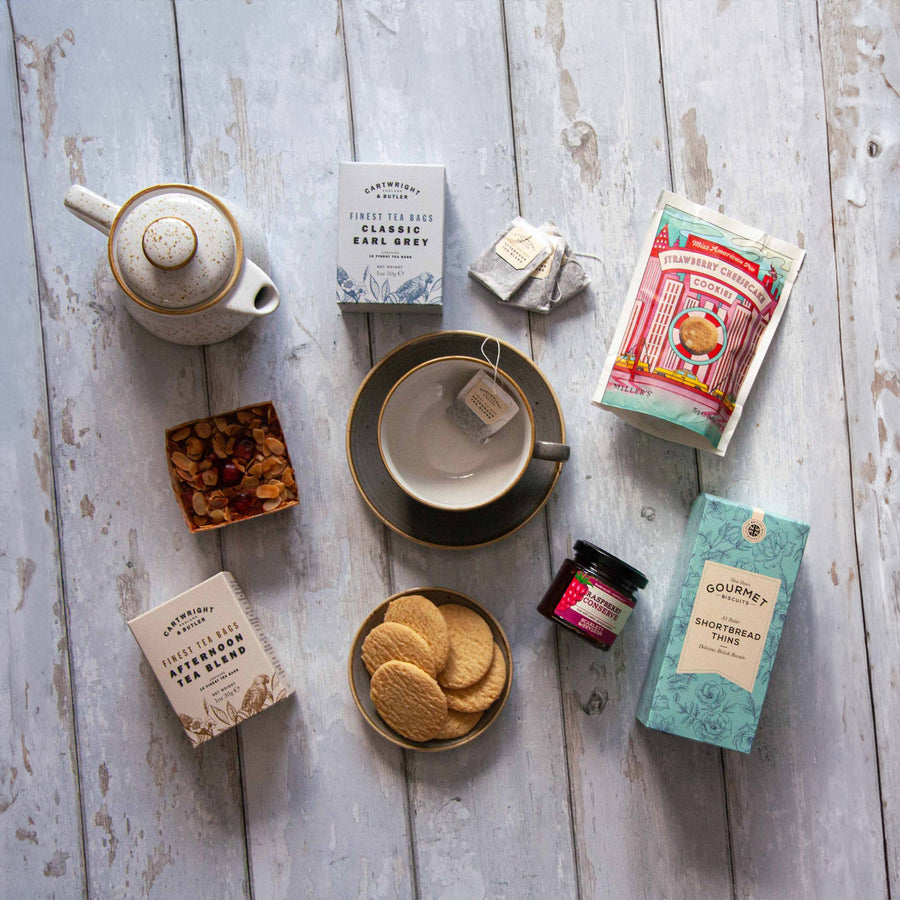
{"x": 210, "y": 656}
{"x": 706, "y": 297}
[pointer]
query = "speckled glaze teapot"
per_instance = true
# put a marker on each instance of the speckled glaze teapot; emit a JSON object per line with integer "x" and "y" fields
{"x": 178, "y": 254}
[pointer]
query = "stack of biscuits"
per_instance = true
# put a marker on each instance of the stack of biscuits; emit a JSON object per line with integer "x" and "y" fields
{"x": 435, "y": 669}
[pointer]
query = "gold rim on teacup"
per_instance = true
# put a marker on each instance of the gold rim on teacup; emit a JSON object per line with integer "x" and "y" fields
{"x": 506, "y": 382}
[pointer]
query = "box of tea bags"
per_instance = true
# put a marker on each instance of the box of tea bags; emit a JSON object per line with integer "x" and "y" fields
{"x": 390, "y": 237}
{"x": 211, "y": 657}
{"x": 710, "y": 669}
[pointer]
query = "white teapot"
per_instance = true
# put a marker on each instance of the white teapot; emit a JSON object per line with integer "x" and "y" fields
{"x": 178, "y": 254}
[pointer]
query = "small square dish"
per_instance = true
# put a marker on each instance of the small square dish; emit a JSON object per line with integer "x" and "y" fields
{"x": 360, "y": 679}
{"x": 230, "y": 467}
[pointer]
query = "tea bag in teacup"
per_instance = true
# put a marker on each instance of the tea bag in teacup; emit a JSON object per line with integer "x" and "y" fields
{"x": 483, "y": 406}
{"x": 515, "y": 254}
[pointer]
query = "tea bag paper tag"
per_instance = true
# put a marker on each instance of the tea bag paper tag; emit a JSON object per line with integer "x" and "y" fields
{"x": 520, "y": 245}
{"x": 543, "y": 270}
{"x": 489, "y": 401}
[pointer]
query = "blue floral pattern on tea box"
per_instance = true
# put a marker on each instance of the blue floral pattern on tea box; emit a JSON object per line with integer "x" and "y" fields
{"x": 708, "y": 707}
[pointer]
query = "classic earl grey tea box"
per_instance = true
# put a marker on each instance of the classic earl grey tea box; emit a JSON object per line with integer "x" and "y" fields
{"x": 208, "y": 651}
{"x": 390, "y": 237}
{"x": 710, "y": 669}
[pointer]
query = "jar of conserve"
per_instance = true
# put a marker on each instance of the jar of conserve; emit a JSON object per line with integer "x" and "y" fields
{"x": 592, "y": 594}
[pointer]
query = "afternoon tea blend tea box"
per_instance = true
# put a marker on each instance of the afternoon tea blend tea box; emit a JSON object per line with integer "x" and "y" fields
{"x": 210, "y": 656}
{"x": 710, "y": 669}
{"x": 390, "y": 237}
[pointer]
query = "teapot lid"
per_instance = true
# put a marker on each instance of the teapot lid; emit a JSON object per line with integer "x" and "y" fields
{"x": 174, "y": 248}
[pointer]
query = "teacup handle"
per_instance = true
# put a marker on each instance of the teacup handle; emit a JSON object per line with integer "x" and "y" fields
{"x": 551, "y": 450}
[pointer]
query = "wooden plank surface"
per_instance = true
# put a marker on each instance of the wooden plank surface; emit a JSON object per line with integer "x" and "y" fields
{"x": 267, "y": 124}
{"x": 569, "y": 111}
{"x": 592, "y": 156}
{"x": 40, "y": 821}
{"x": 861, "y": 52}
{"x": 103, "y": 109}
{"x": 754, "y": 145}
{"x": 492, "y": 818}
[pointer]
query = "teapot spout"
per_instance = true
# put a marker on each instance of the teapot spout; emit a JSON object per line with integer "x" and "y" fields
{"x": 255, "y": 293}
{"x": 91, "y": 207}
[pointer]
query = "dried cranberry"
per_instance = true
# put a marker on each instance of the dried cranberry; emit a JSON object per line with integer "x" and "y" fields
{"x": 243, "y": 503}
{"x": 244, "y": 448}
{"x": 231, "y": 474}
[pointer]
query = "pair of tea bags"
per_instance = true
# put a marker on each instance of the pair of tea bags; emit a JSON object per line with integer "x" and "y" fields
{"x": 530, "y": 268}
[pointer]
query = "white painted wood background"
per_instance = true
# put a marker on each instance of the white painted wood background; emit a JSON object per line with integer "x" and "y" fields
{"x": 782, "y": 114}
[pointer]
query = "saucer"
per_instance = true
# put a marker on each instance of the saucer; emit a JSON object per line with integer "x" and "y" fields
{"x": 452, "y": 529}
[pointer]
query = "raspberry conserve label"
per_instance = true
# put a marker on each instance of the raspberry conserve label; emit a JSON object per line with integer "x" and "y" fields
{"x": 594, "y": 607}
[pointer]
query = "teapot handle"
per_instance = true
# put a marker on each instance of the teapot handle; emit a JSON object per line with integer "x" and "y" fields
{"x": 254, "y": 293}
{"x": 91, "y": 207}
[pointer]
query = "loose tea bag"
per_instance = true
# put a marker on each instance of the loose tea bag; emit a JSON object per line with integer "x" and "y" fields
{"x": 536, "y": 294}
{"x": 508, "y": 262}
{"x": 483, "y": 406}
{"x": 572, "y": 280}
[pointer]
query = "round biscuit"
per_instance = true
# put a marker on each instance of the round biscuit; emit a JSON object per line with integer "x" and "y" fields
{"x": 482, "y": 694}
{"x": 409, "y": 700}
{"x": 457, "y": 724}
{"x": 698, "y": 335}
{"x": 471, "y": 647}
{"x": 420, "y": 614}
{"x": 392, "y": 640}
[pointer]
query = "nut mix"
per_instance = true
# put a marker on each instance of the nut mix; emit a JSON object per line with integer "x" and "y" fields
{"x": 230, "y": 467}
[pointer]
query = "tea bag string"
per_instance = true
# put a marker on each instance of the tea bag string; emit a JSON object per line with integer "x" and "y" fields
{"x": 495, "y": 365}
{"x": 579, "y": 253}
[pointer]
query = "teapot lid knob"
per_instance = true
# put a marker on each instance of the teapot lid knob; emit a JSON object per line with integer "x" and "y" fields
{"x": 169, "y": 243}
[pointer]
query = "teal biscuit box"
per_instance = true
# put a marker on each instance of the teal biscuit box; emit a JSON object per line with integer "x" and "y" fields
{"x": 710, "y": 668}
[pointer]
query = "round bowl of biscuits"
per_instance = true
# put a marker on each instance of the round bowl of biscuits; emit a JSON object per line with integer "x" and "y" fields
{"x": 430, "y": 669}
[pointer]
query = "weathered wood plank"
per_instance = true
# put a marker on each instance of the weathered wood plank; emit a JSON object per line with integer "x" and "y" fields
{"x": 102, "y": 107}
{"x": 267, "y": 124}
{"x": 445, "y": 99}
{"x": 40, "y": 837}
{"x": 754, "y": 144}
{"x": 860, "y": 54}
{"x": 592, "y": 156}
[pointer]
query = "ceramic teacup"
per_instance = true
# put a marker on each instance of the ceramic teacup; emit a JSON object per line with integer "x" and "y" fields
{"x": 433, "y": 460}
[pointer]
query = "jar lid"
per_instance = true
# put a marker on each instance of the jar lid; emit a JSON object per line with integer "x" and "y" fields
{"x": 612, "y": 564}
{"x": 175, "y": 247}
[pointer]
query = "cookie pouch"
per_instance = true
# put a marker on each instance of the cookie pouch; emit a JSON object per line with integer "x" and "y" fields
{"x": 705, "y": 299}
